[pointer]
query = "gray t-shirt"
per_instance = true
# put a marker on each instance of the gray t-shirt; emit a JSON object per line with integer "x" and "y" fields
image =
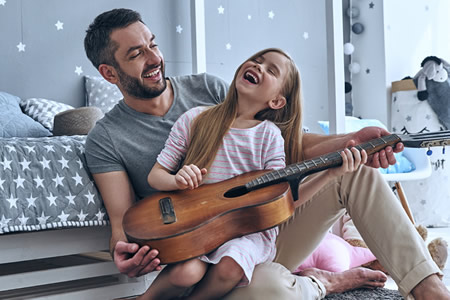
{"x": 130, "y": 141}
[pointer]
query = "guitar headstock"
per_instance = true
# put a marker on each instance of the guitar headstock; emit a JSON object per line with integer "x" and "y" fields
{"x": 426, "y": 140}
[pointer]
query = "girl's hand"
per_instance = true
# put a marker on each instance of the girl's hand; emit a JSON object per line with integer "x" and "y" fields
{"x": 189, "y": 177}
{"x": 351, "y": 160}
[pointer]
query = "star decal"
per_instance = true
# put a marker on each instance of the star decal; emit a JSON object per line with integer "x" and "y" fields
{"x": 58, "y": 180}
{"x": 305, "y": 35}
{"x": 45, "y": 163}
{"x": 51, "y": 199}
{"x": 43, "y": 219}
{"x": 4, "y": 221}
{"x": 39, "y": 181}
{"x": 23, "y": 220}
{"x": 367, "y": 71}
{"x": 78, "y": 70}
{"x": 12, "y": 201}
{"x": 21, "y": 47}
{"x": 67, "y": 148}
{"x": 59, "y": 25}
{"x": 11, "y": 148}
{"x": 63, "y": 216}
{"x": 25, "y": 164}
{"x": 1, "y": 184}
{"x": 228, "y": 46}
{"x": 49, "y": 148}
{"x": 2, "y": 2}
{"x": 78, "y": 179}
{"x": 179, "y": 29}
{"x": 100, "y": 215}
{"x": 82, "y": 216}
{"x": 221, "y": 10}
{"x": 371, "y": 5}
{"x": 30, "y": 149}
{"x": 271, "y": 14}
{"x": 19, "y": 182}
{"x": 63, "y": 163}
{"x": 90, "y": 197}
{"x": 31, "y": 201}
{"x": 6, "y": 164}
{"x": 80, "y": 163}
{"x": 408, "y": 118}
{"x": 71, "y": 198}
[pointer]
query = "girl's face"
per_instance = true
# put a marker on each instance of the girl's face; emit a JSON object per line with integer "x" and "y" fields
{"x": 263, "y": 77}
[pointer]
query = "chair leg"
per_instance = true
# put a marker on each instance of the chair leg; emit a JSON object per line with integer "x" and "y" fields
{"x": 404, "y": 201}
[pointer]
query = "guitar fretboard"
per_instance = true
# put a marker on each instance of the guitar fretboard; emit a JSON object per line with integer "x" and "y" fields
{"x": 302, "y": 169}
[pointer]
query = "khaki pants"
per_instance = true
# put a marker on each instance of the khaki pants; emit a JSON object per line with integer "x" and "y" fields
{"x": 378, "y": 216}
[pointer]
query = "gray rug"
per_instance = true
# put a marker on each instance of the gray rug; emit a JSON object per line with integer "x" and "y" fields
{"x": 376, "y": 294}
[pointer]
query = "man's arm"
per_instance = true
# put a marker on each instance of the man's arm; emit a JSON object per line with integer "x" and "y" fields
{"x": 315, "y": 145}
{"x": 118, "y": 196}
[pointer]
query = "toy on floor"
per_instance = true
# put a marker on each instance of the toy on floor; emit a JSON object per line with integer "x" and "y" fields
{"x": 336, "y": 255}
{"x": 438, "y": 249}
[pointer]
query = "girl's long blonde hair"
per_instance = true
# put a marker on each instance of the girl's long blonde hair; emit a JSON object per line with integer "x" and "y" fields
{"x": 209, "y": 128}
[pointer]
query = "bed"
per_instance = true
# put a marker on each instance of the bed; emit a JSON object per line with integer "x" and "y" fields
{"x": 54, "y": 229}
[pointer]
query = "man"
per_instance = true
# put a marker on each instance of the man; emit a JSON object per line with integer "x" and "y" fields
{"x": 122, "y": 149}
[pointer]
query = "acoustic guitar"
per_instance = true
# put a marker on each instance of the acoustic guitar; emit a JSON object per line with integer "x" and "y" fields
{"x": 189, "y": 223}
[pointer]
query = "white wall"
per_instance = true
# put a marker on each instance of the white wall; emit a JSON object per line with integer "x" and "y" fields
{"x": 398, "y": 35}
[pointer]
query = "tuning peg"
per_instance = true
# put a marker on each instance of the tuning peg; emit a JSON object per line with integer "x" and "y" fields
{"x": 429, "y": 151}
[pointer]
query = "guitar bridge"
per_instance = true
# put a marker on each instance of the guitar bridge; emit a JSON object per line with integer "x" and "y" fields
{"x": 167, "y": 211}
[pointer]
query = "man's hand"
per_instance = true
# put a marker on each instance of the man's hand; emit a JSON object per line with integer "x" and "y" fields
{"x": 134, "y": 261}
{"x": 383, "y": 158}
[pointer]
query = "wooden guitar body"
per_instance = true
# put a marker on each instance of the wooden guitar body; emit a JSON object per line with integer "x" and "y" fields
{"x": 206, "y": 217}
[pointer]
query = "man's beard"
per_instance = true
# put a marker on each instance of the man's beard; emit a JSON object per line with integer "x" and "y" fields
{"x": 133, "y": 87}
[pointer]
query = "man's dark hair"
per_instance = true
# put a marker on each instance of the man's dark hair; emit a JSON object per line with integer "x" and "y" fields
{"x": 97, "y": 43}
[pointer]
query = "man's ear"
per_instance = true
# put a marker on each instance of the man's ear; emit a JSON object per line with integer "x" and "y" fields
{"x": 109, "y": 73}
{"x": 277, "y": 103}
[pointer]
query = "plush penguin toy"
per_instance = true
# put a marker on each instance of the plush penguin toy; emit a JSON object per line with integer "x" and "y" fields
{"x": 432, "y": 69}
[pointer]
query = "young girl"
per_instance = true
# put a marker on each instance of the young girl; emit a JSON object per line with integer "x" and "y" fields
{"x": 258, "y": 122}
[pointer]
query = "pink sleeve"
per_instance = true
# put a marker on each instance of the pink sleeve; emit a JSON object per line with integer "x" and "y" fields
{"x": 275, "y": 156}
{"x": 176, "y": 144}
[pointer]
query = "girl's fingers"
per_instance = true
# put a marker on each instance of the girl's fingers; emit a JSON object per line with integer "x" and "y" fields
{"x": 356, "y": 157}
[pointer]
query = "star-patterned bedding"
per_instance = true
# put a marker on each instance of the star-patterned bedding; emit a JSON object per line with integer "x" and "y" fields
{"x": 44, "y": 184}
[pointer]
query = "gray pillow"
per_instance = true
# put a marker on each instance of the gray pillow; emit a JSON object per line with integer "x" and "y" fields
{"x": 43, "y": 110}
{"x": 100, "y": 93}
{"x": 14, "y": 123}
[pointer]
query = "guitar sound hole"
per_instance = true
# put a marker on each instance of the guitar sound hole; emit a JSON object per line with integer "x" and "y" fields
{"x": 236, "y": 192}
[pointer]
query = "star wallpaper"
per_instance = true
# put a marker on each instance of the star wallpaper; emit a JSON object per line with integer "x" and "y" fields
{"x": 43, "y": 41}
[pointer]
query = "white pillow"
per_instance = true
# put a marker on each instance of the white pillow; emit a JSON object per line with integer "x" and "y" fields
{"x": 101, "y": 93}
{"x": 43, "y": 110}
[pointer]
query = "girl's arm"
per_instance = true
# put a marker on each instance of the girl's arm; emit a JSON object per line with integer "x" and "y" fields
{"x": 351, "y": 161}
{"x": 187, "y": 177}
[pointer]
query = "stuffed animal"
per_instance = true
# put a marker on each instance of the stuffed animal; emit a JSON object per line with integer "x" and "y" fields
{"x": 334, "y": 254}
{"x": 432, "y": 69}
{"x": 438, "y": 249}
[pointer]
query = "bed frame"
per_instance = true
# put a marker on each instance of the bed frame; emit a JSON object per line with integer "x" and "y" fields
{"x": 63, "y": 264}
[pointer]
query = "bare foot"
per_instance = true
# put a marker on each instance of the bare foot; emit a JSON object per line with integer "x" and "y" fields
{"x": 431, "y": 288}
{"x": 347, "y": 280}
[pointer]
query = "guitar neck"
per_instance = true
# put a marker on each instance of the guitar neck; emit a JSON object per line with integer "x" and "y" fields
{"x": 295, "y": 172}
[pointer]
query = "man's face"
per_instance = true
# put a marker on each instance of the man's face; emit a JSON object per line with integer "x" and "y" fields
{"x": 140, "y": 66}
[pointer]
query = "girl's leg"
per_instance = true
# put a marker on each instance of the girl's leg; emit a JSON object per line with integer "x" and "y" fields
{"x": 219, "y": 280}
{"x": 175, "y": 279}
